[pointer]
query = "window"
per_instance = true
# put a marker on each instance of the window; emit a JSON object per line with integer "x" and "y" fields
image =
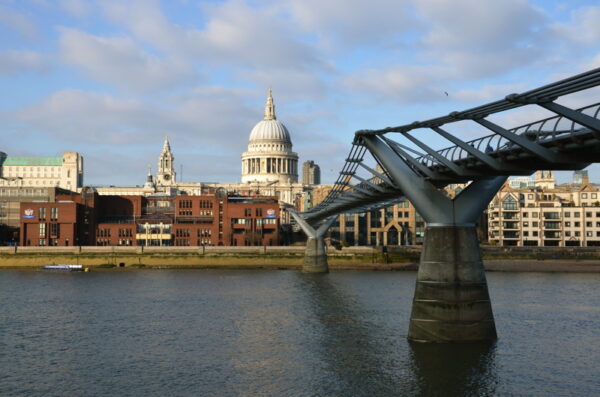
{"x": 589, "y": 234}
{"x": 567, "y": 234}
{"x": 594, "y": 195}
{"x": 576, "y": 214}
{"x": 588, "y": 224}
{"x": 525, "y": 224}
{"x": 259, "y": 212}
{"x": 535, "y": 233}
{"x": 583, "y": 195}
{"x": 42, "y": 213}
{"x": 588, "y": 214}
{"x": 530, "y": 196}
{"x": 534, "y": 214}
{"x": 535, "y": 224}
{"x": 577, "y": 224}
{"x": 525, "y": 214}
{"x": 53, "y": 213}
{"x": 54, "y": 229}
{"x": 525, "y": 234}
{"x": 509, "y": 203}
{"x": 567, "y": 224}
{"x": 42, "y": 230}
{"x": 577, "y": 234}
{"x": 247, "y": 211}
{"x": 567, "y": 214}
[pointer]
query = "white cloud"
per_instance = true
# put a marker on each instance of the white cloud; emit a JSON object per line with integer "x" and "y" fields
{"x": 76, "y": 8}
{"x": 118, "y": 60}
{"x": 13, "y": 62}
{"x": 582, "y": 28}
{"x": 406, "y": 84}
{"x": 353, "y": 23}
{"x": 18, "y": 22}
{"x": 481, "y": 38}
{"x": 488, "y": 92}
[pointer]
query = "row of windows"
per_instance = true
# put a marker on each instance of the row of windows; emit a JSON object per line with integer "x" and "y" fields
{"x": 186, "y": 233}
{"x": 190, "y": 204}
{"x": 43, "y": 212}
{"x": 185, "y": 242}
{"x": 53, "y": 229}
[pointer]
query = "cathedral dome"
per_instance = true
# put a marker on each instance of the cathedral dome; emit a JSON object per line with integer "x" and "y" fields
{"x": 270, "y": 130}
{"x": 270, "y": 158}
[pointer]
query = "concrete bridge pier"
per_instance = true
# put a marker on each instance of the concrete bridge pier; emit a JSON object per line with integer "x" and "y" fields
{"x": 451, "y": 301}
{"x": 315, "y": 256}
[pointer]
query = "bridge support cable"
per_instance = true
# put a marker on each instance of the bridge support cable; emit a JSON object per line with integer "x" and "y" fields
{"x": 578, "y": 117}
{"x": 315, "y": 255}
{"x": 538, "y": 150}
{"x": 478, "y": 154}
{"x": 451, "y": 301}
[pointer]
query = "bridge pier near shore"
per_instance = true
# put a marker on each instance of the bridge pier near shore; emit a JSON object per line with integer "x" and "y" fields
{"x": 315, "y": 256}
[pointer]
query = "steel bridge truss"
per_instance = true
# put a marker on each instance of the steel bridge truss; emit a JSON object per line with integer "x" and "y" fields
{"x": 570, "y": 140}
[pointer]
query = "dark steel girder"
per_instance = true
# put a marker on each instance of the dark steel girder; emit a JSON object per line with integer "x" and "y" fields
{"x": 518, "y": 151}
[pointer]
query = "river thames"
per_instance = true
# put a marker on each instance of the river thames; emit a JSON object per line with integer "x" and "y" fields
{"x": 284, "y": 333}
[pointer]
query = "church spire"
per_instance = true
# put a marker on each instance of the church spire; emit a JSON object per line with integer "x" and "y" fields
{"x": 166, "y": 146}
{"x": 270, "y": 107}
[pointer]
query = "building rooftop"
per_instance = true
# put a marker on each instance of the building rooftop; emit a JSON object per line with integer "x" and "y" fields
{"x": 32, "y": 161}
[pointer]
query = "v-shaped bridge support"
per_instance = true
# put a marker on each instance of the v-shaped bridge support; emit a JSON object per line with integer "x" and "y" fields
{"x": 451, "y": 301}
{"x": 315, "y": 256}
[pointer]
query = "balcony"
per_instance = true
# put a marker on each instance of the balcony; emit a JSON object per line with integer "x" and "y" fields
{"x": 510, "y": 216}
{"x": 551, "y": 215}
{"x": 552, "y": 225}
{"x": 511, "y": 235}
{"x": 510, "y": 225}
{"x": 552, "y": 235}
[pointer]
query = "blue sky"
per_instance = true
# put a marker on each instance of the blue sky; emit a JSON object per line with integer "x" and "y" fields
{"x": 110, "y": 79}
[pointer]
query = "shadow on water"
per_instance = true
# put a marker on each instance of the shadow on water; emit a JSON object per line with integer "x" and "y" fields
{"x": 360, "y": 356}
{"x": 454, "y": 369}
{"x": 357, "y": 357}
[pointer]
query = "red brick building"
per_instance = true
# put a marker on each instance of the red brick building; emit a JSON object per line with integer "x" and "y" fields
{"x": 161, "y": 220}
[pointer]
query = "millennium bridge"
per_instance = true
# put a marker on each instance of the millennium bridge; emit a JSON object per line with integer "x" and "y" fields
{"x": 451, "y": 301}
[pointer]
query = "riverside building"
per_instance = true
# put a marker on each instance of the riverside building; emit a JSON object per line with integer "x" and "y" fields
{"x": 215, "y": 218}
{"x": 65, "y": 172}
{"x": 546, "y": 214}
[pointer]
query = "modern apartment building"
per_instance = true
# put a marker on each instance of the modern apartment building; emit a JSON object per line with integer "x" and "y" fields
{"x": 567, "y": 215}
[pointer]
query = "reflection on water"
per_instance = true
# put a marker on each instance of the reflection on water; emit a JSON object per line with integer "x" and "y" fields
{"x": 352, "y": 350}
{"x": 462, "y": 369}
{"x": 283, "y": 333}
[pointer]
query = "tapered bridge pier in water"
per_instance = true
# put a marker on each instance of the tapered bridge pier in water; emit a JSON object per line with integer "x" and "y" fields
{"x": 451, "y": 301}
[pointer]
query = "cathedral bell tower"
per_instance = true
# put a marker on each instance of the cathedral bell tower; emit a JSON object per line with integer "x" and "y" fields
{"x": 166, "y": 170}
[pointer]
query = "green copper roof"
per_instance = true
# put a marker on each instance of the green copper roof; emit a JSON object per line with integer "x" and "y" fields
{"x": 39, "y": 161}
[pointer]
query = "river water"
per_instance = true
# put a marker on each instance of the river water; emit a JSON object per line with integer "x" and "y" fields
{"x": 284, "y": 333}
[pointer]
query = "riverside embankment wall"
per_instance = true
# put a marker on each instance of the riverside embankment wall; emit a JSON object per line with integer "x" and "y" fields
{"x": 379, "y": 258}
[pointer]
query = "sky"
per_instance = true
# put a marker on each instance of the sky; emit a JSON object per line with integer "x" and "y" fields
{"x": 109, "y": 79}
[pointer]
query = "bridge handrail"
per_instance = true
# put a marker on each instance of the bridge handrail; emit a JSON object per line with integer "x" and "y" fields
{"x": 539, "y": 135}
{"x": 540, "y": 131}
